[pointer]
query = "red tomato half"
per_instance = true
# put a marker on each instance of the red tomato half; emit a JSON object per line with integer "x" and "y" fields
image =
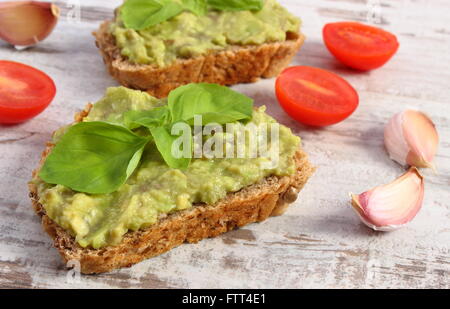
{"x": 24, "y": 92}
{"x": 359, "y": 46}
{"x": 314, "y": 96}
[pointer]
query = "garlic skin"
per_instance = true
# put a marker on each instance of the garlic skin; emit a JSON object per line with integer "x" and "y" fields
{"x": 389, "y": 207}
{"x": 25, "y": 23}
{"x": 411, "y": 139}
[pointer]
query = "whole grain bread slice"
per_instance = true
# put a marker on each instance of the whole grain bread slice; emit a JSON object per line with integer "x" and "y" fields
{"x": 254, "y": 203}
{"x": 236, "y": 64}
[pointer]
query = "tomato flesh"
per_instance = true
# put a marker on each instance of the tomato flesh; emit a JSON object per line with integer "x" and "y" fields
{"x": 360, "y": 46}
{"x": 24, "y": 92}
{"x": 314, "y": 96}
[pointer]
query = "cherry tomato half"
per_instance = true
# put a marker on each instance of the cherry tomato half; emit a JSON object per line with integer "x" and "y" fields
{"x": 314, "y": 96}
{"x": 24, "y": 92}
{"x": 359, "y": 46}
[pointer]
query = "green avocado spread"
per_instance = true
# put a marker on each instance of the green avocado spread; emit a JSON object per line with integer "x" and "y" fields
{"x": 154, "y": 189}
{"x": 188, "y": 35}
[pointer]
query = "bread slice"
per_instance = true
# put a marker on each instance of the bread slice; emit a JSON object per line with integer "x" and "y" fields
{"x": 237, "y": 64}
{"x": 254, "y": 203}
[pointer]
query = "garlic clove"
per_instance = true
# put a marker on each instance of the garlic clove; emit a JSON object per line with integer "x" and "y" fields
{"x": 25, "y": 23}
{"x": 420, "y": 133}
{"x": 411, "y": 139}
{"x": 389, "y": 207}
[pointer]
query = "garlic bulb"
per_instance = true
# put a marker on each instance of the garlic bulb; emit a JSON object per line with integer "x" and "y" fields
{"x": 411, "y": 139}
{"x": 25, "y": 23}
{"x": 389, "y": 207}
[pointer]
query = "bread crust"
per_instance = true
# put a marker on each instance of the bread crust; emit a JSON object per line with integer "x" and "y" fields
{"x": 254, "y": 203}
{"x": 237, "y": 64}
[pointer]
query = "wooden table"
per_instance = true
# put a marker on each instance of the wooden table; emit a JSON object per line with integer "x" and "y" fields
{"x": 319, "y": 242}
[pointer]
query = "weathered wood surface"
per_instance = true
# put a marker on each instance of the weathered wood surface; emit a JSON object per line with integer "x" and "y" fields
{"x": 319, "y": 242}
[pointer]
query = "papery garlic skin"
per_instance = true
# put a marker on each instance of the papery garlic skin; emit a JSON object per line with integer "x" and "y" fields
{"x": 395, "y": 141}
{"x": 389, "y": 207}
{"x": 25, "y": 23}
{"x": 411, "y": 139}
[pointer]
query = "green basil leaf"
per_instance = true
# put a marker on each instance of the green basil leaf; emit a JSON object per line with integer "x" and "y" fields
{"x": 94, "y": 157}
{"x": 155, "y": 117}
{"x": 213, "y": 102}
{"x": 164, "y": 141}
{"x": 236, "y": 5}
{"x": 141, "y": 14}
{"x": 198, "y": 7}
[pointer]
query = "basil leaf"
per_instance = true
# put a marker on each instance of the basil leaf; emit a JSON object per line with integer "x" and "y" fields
{"x": 236, "y": 5}
{"x": 94, "y": 157}
{"x": 213, "y": 102}
{"x": 141, "y": 14}
{"x": 198, "y": 7}
{"x": 149, "y": 118}
{"x": 98, "y": 157}
{"x": 164, "y": 142}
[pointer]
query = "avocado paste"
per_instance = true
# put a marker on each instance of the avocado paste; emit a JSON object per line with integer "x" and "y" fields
{"x": 188, "y": 35}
